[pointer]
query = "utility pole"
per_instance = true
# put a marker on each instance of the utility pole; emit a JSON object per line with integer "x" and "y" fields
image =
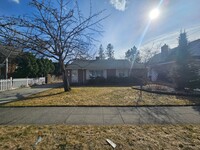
{"x": 6, "y": 68}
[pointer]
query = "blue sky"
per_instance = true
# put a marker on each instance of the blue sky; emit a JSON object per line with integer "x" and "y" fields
{"x": 128, "y": 19}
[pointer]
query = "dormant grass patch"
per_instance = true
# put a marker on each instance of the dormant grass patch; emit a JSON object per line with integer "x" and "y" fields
{"x": 104, "y": 96}
{"x": 126, "y": 137}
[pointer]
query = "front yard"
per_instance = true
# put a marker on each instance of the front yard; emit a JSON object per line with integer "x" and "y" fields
{"x": 102, "y": 96}
{"x": 126, "y": 137}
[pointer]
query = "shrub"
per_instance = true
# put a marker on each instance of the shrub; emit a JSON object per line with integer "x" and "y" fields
{"x": 116, "y": 81}
{"x": 97, "y": 80}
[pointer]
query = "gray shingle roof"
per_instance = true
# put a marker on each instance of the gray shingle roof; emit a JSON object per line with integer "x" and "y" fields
{"x": 194, "y": 49}
{"x": 103, "y": 64}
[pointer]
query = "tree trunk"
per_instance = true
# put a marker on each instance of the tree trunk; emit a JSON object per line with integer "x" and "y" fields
{"x": 64, "y": 76}
{"x": 66, "y": 81}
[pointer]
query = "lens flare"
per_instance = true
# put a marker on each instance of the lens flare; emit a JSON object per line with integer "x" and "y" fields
{"x": 154, "y": 14}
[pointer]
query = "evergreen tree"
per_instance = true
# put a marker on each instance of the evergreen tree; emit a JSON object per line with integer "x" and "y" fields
{"x": 110, "y": 51}
{"x": 57, "y": 70}
{"x": 182, "y": 69}
{"x": 182, "y": 53}
{"x": 186, "y": 73}
{"x": 133, "y": 55}
{"x": 27, "y": 66}
{"x": 101, "y": 52}
{"x": 45, "y": 67}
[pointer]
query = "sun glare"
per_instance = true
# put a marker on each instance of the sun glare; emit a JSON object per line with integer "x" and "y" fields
{"x": 154, "y": 14}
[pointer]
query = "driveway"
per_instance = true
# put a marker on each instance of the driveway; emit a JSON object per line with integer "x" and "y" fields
{"x": 13, "y": 95}
{"x": 99, "y": 115}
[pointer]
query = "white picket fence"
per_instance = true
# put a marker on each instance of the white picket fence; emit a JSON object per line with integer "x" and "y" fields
{"x": 10, "y": 84}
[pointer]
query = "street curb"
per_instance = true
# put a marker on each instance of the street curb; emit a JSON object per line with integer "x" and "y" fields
{"x": 134, "y": 106}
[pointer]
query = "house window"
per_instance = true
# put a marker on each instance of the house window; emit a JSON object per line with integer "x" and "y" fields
{"x": 96, "y": 73}
{"x": 122, "y": 73}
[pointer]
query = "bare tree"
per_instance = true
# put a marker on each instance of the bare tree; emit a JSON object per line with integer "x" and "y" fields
{"x": 57, "y": 29}
{"x": 148, "y": 52}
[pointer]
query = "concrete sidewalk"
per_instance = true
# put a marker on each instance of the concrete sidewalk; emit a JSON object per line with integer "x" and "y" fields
{"x": 100, "y": 115}
{"x": 13, "y": 95}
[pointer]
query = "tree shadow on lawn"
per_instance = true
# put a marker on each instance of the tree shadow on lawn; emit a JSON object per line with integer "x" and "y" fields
{"x": 19, "y": 96}
{"x": 160, "y": 115}
{"x": 164, "y": 100}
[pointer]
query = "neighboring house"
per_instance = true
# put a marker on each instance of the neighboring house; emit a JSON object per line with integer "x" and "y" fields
{"x": 80, "y": 71}
{"x": 7, "y": 57}
{"x": 161, "y": 65}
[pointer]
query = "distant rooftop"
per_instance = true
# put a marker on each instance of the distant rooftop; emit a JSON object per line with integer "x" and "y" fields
{"x": 7, "y": 52}
{"x": 194, "y": 50}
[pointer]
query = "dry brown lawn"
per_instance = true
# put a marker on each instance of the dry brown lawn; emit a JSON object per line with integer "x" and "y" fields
{"x": 127, "y": 137}
{"x": 104, "y": 96}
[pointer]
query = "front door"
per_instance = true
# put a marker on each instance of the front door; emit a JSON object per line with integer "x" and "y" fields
{"x": 74, "y": 76}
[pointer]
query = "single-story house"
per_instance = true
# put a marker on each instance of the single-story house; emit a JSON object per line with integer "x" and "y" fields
{"x": 161, "y": 65}
{"x": 80, "y": 71}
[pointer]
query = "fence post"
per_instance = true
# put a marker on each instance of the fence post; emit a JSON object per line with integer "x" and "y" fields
{"x": 11, "y": 81}
{"x": 6, "y": 84}
{"x": 1, "y": 85}
{"x": 26, "y": 82}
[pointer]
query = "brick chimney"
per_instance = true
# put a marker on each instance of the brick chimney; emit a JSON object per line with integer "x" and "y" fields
{"x": 164, "y": 50}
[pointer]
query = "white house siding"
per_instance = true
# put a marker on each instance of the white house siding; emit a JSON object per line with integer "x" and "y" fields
{"x": 87, "y": 75}
{"x": 125, "y": 72}
{"x": 105, "y": 74}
